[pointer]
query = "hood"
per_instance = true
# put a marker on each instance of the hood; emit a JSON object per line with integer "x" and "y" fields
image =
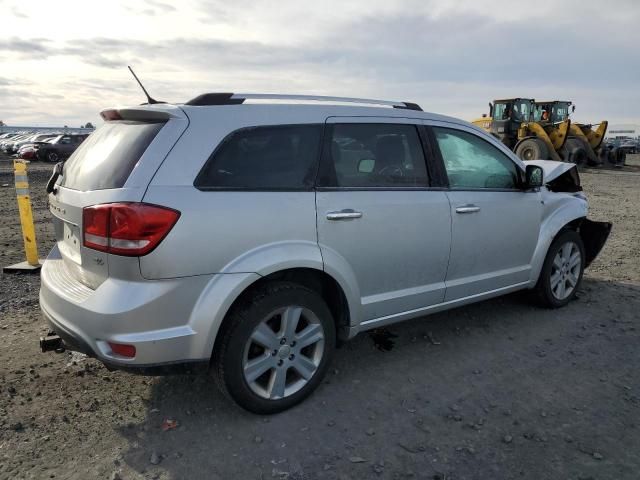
{"x": 559, "y": 176}
{"x": 552, "y": 169}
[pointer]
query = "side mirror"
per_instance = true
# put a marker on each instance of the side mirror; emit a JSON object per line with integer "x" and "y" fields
{"x": 534, "y": 176}
{"x": 573, "y": 108}
{"x": 366, "y": 165}
{"x": 490, "y": 109}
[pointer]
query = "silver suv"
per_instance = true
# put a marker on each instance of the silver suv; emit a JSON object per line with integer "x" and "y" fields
{"x": 247, "y": 234}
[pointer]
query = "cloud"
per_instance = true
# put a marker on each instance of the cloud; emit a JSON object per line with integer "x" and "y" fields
{"x": 452, "y": 57}
{"x": 163, "y": 6}
{"x": 18, "y": 13}
{"x": 26, "y": 48}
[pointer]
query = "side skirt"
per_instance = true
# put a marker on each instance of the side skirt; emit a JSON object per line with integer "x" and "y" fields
{"x": 399, "y": 317}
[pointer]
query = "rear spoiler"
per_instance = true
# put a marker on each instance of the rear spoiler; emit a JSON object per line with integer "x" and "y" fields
{"x": 141, "y": 114}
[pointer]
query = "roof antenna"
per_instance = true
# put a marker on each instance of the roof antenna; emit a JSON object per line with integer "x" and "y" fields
{"x": 150, "y": 99}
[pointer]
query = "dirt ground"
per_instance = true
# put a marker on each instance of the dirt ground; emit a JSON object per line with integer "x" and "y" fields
{"x": 496, "y": 390}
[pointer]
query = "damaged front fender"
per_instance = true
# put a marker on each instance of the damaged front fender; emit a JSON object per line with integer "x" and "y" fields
{"x": 594, "y": 235}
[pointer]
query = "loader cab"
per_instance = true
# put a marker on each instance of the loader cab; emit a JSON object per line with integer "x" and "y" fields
{"x": 556, "y": 111}
{"x": 507, "y": 116}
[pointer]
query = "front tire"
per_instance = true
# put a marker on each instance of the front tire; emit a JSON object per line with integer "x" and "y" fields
{"x": 275, "y": 347}
{"x": 562, "y": 270}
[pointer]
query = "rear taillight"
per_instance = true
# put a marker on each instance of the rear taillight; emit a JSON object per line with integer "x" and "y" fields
{"x": 130, "y": 229}
{"x": 122, "y": 349}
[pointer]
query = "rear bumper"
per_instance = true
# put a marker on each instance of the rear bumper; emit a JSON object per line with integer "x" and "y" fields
{"x": 74, "y": 341}
{"x": 163, "y": 319}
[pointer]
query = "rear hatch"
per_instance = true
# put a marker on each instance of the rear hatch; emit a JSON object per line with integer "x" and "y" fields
{"x": 113, "y": 165}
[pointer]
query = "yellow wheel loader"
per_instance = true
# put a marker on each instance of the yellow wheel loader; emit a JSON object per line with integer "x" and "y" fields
{"x": 512, "y": 121}
{"x": 584, "y": 143}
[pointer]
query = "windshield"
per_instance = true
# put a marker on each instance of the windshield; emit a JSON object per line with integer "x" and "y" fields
{"x": 560, "y": 112}
{"x": 107, "y": 157}
{"x": 522, "y": 110}
{"x": 519, "y": 110}
{"x": 500, "y": 111}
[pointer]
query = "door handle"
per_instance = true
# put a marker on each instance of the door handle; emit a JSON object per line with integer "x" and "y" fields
{"x": 468, "y": 209}
{"x": 346, "y": 214}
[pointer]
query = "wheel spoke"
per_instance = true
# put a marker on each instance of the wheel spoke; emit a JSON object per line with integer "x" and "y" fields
{"x": 574, "y": 261}
{"x": 566, "y": 251}
{"x": 311, "y": 334}
{"x": 257, "y": 367}
{"x": 290, "y": 319}
{"x": 561, "y": 289}
{"x": 266, "y": 337}
{"x": 555, "y": 278}
{"x": 557, "y": 261}
{"x": 304, "y": 366}
{"x": 572, "y": 279}
{"x": 277, "y": 383}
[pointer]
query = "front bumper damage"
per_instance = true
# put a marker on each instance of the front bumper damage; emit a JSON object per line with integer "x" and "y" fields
{"x": 594, "y": 235}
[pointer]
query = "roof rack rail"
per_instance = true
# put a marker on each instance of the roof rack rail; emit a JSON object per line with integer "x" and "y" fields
{"x": 238, "y": 98}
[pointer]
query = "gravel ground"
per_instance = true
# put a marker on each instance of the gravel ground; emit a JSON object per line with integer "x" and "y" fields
{"x": 495, "y": 390}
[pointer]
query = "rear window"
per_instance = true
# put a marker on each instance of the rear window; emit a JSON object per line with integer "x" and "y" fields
{"x": 107, "y": 157}
{"x": 282, "y": 157}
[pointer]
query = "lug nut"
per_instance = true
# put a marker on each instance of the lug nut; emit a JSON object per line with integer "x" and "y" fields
{"x": 280, "y": 362}
{"x": 292, "y": 356}
{"x": 283, "y": 341}
{"x": 293, "y": 344}
{"x": 274, "y": 353}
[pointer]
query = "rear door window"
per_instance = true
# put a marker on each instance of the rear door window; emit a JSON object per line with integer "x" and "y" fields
{"x": 107, "y": 157}
{"x": 373, "y": 155}
{"x": 280, "y": 157}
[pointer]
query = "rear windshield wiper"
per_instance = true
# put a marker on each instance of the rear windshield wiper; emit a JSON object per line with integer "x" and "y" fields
{"x": 57, "y": 172}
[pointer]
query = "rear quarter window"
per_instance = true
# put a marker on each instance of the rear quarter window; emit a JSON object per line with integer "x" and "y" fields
{"x": 107, "y": 156}
{"x": 280, "y": 157}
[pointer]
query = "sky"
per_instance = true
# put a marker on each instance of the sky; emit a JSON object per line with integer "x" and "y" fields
{"x": 63, "y": 61}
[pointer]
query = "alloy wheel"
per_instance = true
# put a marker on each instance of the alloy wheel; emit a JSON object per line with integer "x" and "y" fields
{"x": 565, "y": 270}
{"x": 283, "y": 352}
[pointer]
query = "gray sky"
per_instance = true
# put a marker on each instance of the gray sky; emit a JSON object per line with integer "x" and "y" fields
{"x": 63, "y": 61}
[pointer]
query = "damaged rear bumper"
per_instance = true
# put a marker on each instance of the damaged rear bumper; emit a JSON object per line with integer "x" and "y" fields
{"x": 594, "y": 235}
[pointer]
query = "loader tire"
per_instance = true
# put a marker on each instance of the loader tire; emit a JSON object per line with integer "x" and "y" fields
{"x": 603, "y": 155}
{"x": 621, "y": 157}
{"x": 532, "y": 149}
{"x": 574, "y": 151}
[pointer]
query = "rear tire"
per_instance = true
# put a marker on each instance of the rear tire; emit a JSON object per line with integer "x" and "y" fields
{"x": 532, "y": 149}
{"x": 574, "y": 151}
{"x": 603, "y": 155}
{"x": 562, "y": 270}
{"x": 274, "y": 347}
{"x": 52, "y": 157}
{"x": 621, "y": 157}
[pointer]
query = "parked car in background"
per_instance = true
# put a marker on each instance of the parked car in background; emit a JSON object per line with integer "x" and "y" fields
{"x": 7, "y": 145}
{"x": 27, "y": 152}
{"x": 627, "y": 144}
{"x": 30, "y": 150}
{"x": 247, "y": 238}
{"x": 38, "y": 137}
{"x": 60, "y": 148}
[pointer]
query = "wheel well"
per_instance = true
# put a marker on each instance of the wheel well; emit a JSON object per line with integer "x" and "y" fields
{"x": 318, "y": 281}
{"x": 572, "y": 225}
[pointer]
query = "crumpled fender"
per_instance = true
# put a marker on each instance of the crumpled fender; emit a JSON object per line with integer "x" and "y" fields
{"x": 573, "y": 208}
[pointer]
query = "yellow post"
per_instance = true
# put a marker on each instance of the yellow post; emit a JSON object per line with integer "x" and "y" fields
{"x": 26, "y": 219}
